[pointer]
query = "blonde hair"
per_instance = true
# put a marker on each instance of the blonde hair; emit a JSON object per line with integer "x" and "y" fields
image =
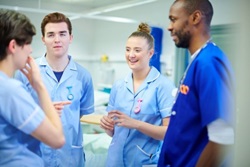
{"x": 144, "y": 31}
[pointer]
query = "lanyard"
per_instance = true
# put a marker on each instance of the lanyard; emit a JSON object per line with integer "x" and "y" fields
{"x": 194, "y": 56}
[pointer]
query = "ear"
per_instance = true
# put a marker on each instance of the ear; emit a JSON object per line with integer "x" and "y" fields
{"x": 43, "y": 39}
{"x": 71, "y": 38}
{"x": 12, "y": 46}
{"x": 151, "y": 52}
{"x": 196, "y": 17}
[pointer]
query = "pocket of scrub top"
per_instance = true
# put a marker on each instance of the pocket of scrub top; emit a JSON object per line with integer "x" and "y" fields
{"x": 77, "y": 155}
{"x": 149, "y": 157}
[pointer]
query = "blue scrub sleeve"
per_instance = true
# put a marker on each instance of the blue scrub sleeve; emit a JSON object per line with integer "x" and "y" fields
{"x": 23, "y": 113}
{"x": 112, "y": 96}
{"x": 165, "y": 98}
{"x": 215, "y": 91}
{"x": 87, "y": 99}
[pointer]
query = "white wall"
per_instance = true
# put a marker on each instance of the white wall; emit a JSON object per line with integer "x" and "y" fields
{"x": 93, "y": 38}
{"x": 242, "y": 147}
{"x": 110, "y": 37}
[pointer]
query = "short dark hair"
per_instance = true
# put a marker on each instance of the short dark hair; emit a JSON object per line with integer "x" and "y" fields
{"x": 55, "y": 18}
{"x": 204, "y": 6}
{"x": 14, "y": 25}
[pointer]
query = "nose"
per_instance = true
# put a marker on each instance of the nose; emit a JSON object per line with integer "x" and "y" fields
{"x": 170, "y": 26}
{"x": 131, "y": 54}
{"x": 57, "y": 38}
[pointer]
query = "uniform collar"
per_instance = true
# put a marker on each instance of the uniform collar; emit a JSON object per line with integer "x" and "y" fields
{"x": 71, "y": 65}
{"x": 152, "y": 76}
{"x": 66, "y": 73}
{"x": 199, "y": 50}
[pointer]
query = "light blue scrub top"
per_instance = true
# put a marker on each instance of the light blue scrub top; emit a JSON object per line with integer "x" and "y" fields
{"x": 129, "y": 147}
{"x": 75, "y": 81}
{"x": 19, "y": 117}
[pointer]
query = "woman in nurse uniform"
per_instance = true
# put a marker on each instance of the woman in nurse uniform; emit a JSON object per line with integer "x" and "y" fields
{"x": 139, "y": 107}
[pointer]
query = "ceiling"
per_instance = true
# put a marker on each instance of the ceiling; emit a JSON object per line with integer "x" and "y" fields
{"x": 74, "y": 8}
{"x": 85, "y": 4}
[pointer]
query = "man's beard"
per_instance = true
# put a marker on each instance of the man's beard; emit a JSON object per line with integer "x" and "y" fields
{"x": 184, "y": 39}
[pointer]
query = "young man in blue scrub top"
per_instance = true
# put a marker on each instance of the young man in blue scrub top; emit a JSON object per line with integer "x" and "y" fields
{"x": 22, "y": 121}
{"x": 201, "y": 128}
{"x": 66, "y": 81}
{"x": 139, "y": 107}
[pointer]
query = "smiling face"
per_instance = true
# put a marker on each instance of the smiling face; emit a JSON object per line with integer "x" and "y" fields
{"x": 57, "y": 39}
{"x": 179, "y": 25}
{"x": 138, "y": 53}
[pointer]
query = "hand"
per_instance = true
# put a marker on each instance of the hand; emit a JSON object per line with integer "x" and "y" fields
{"x": 122, "y": 119}
{"x": 107, "y": 123}
{"x": 59, "y": 105}
{"x": 32, "y": 72}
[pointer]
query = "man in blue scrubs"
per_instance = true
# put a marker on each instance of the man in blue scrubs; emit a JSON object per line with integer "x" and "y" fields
{"x": 201, "y": 124}
{"x": 66, "y": 81}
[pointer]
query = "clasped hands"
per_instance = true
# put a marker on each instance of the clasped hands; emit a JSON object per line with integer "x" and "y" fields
{"x": 118, "y": 118}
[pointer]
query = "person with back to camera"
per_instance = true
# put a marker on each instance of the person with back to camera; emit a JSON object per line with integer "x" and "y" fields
{"x": 201, "y": 128}
{"x": 139, "y": 107}
{"x": 68, "y": 83}
{"x": 22, "y": 121}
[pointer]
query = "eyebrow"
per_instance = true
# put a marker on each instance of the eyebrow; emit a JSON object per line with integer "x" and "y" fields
{"x": 60, "y": 32}
{"x": 63, "y": 32}
{"x": 133, "y": 47}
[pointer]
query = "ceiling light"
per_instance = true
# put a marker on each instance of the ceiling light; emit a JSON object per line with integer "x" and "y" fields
{"x": 119, "y": 6}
